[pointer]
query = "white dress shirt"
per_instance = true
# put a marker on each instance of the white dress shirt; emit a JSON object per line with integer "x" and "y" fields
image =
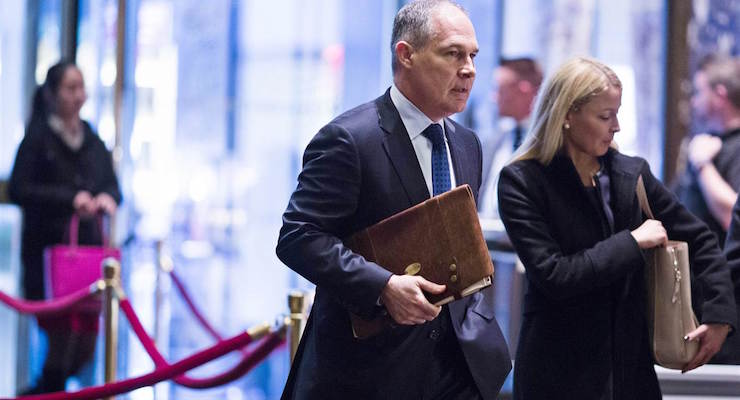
{"x": 415, "y": 122}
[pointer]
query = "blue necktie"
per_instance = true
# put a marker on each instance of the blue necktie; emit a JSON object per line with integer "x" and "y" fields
{"x": 440, "y": 167}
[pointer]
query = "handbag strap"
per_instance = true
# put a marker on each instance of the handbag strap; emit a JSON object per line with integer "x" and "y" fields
{"x": 642, "y": 198}
{"x": 74, "y": 229}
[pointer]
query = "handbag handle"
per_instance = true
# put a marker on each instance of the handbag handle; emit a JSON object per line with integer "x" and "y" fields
{"x": 642, "y": 198}
{"x": 74, "y": 228}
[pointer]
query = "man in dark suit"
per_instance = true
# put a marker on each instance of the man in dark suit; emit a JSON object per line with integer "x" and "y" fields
{"x": 366, "y": 165}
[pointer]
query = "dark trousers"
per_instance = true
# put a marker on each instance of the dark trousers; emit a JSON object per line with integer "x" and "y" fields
{"x": 67, "y": 353}
{"x": 447, "y": 376}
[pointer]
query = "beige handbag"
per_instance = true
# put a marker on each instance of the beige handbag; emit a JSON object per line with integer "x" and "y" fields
{"x": 668, "y": 281}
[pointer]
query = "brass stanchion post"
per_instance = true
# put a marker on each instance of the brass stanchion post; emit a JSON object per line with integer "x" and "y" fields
{"x": 112, "y": 275}
{"x": 296, "y": 304}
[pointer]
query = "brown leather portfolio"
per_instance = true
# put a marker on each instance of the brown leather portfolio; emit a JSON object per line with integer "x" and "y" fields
{"x": 439, "y": 239}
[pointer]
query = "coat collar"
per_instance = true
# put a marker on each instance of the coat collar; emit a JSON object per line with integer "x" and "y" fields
{"x": 623, "y": 173}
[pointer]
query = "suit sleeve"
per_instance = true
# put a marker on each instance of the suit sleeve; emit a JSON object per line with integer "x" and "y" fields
{"x": 557, "y": 275}
{"x": 319, "y": 212}
{"x": 708, "y": 264}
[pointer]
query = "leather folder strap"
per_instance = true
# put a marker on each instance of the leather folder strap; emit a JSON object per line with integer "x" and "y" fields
{"x": 443, "y": 242}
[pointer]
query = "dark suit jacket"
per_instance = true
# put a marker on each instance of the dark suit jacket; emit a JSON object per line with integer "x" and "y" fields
{"x": 730, "y": 352}
{"x": 358, "y": 170}
{"x": 584, "y": 332}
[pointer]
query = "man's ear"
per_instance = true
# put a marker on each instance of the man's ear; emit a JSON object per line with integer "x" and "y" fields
{"x": 525, "y": 86}
{"x": 404, "y": 52}
{"x": 721, "y": 90}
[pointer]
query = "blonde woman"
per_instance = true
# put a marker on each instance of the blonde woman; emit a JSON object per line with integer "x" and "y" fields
{"x": 569, "y": 205}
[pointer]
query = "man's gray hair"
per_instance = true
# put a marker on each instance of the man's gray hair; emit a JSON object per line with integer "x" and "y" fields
{"x": 412, "y": 24}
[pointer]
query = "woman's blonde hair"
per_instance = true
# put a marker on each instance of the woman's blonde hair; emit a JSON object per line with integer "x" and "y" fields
{"x": 573, "y": 85}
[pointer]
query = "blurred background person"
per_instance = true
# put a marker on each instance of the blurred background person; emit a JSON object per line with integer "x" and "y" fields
{"x": 569, "y": 206}
{"x": 515, "y": 85}
{"x": 710, "y": 182}
{"x": 61, "y": 168}
{"x": 730, "y": 351}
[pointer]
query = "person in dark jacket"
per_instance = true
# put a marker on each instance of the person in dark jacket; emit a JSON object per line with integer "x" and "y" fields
{"x": 61, "y": 168}
{"x": 369, "y": 163}
{"x": 730, "y": 351}
{"x": 569, "y": 206}
{"x": 710, "y": 183}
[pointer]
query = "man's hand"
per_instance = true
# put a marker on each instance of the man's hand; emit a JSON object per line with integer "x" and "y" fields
{"x": 710, "y": 337}
{"x": 702, "y": 149}
{"x": 405, "y": 301}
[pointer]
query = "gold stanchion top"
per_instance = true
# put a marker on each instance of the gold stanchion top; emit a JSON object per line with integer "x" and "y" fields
{"x": 111, "y": 268}
{"x": 164, "y": 260}
{"x": 97, "y": 286}
{"x": 296, "y": 300}
{"x": 259, "y": 331}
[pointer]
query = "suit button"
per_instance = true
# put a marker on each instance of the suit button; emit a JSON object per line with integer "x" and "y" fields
{"x": 434, "y": 335}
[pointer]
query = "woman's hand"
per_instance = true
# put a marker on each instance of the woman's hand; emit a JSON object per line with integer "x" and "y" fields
{"x": 650, "y": 234}
{"x": 84, "y": 204}
{"x": 710, "y": 337}
{"x": 105, "y": 203}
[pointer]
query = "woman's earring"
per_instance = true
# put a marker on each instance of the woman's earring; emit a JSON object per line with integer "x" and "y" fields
{"x": 566, "y": 126}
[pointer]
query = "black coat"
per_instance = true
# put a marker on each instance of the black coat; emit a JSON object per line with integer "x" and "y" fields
{"x": 584, "y": 332}
{"x": 358, "y": 170}
{"x": 46, "y": 176}
{"x": 730, "y": 352}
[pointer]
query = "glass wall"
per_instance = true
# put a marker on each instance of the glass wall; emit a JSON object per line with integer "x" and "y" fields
{"x": 12, "y": 34}
{"x": 220, "y": 122}
{"x": 96, "y": 57}
{"x": 12, "y": 74}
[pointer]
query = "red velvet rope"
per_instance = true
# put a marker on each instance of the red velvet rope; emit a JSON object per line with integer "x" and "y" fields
{"x": 46, "y": 307}
{"x": 248, "y": 361}
{"x": 189, "y": 301}
{"x": 158, "y": 375}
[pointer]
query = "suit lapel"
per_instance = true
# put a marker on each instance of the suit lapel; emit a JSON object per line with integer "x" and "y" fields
{"x": 457, "y": 153}
{"x": 400, "y": 151}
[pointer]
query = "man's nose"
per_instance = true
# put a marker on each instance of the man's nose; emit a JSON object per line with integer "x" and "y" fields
{"x": 468, "y": 70}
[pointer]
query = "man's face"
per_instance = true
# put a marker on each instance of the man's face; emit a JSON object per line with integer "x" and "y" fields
{"x": 506, "y": 93}
{"x": 703, "y": 100}
{"x": 441, "y": 74}
{"x": 512, "y": 94}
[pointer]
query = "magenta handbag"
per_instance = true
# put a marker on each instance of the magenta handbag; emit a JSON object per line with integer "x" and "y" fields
{"x": 70, "y": 267}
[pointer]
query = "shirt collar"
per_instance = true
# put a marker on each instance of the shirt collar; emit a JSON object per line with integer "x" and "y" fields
{"x": 413, "y": 119}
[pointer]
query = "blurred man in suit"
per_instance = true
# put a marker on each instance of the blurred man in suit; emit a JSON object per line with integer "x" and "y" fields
{"x": 516, "y": 82}
{"x": 366, "y": 165}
